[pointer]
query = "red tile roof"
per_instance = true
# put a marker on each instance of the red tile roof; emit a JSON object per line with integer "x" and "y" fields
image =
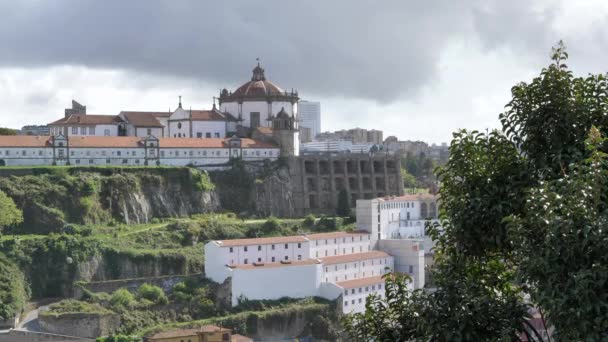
{"x": 276, "y": 264}
{"x": 348, "y": 284}
{"x": 102, "y": 141}
{"x": 262, "y": 241}
{"x": 24, "y": 141}
{"x": 340, "y": 259}
{"x": 105, "y": 141}
{"x": 210, "y": 143}
{"x": 335, "y": 235}
{"x": 240, "y": 338}
{"x": 416, "y": 197}
{"x": 88, "y": 119}
{"x": 144, "y": 119}
{"x": 207, "y": 115}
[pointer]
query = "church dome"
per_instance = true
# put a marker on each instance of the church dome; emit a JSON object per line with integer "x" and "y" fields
{"x": 258, "y": 88}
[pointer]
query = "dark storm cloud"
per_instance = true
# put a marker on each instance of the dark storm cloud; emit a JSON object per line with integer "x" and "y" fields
{"x": 366, "y": 49}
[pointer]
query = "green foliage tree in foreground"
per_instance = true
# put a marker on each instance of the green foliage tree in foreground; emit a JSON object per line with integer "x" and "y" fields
{"x": 9, "y": 213}
{"x": 524, "y": 215}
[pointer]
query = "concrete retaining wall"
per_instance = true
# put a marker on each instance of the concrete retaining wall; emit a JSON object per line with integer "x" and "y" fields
{"x": 109, "y": 286}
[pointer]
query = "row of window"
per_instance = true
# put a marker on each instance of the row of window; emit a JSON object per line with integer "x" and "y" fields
{"x": 133, "y": 153}
{"x": 343, "y": 251}
{"x": 273, "y": 259}
{"x": 355, "y": 275}
{"x": 352, "y": 239}
{"x": 396, "y": 205}
{"x": 260, "y": 247}
{"x": 381, "y": 262}
{"x": 198, "y": 135}
{"x": 360, "y": 290}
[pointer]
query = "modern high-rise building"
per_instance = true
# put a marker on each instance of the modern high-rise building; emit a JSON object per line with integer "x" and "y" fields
{"x": 310, "y": 116}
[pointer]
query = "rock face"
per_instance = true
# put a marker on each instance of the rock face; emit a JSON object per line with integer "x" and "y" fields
{"x": 273, "y": 195}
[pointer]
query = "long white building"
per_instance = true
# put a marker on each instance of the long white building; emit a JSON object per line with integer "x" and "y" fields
{"x": 320, "y": 265}
{"x": 106, "y": 150}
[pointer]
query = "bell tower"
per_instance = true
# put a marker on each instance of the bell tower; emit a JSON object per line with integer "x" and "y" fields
{"x": 285, "y": 132}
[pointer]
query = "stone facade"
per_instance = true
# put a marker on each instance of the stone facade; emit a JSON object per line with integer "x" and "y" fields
{"x": 317, "y": 179}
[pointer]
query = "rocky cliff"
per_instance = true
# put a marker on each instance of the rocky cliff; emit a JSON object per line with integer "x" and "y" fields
{"x": 273, "y": 194}
{"x": 51, "y": 197}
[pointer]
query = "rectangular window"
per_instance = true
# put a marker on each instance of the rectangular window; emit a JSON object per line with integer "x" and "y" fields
{"x": 259, "y": 248}
{"x": 299, "y": 245}
{"x": 75, "y": 130}
{"x": 245, "y": 248}
{"x": 107, "y": 161}
{"x": 118, "y": 153}
{"x": 217, "y": 135}
{"x": 285, "y": 246}
{"x": 83, "y": 131}
{"x": 92, "y": 130}
{"x": 272, "y": 247}
{"x": 231, "y": 249}
{"x": 273, "y": 259}
{"x": 286, "y": 257}
{"x": 411, "y": 269}
{"x": 207, "y": 135}
{"x": 91, "y": 161}
{"x": 77, "y": 161}
{"x": 352, "y": 291}
{"x": 199, "y": 134}
{"x": 149, "y": 131}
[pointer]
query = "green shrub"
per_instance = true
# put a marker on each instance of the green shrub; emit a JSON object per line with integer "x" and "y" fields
{"x": 152, "y": 293}
{"x": 119, "y": 338}
{"x": 122, "y": 298}
{"x": 309, "y": 221}
{"x": 271, "y": 225}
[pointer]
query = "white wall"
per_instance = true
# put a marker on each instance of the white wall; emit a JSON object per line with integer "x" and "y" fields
{"x": 295, "y": 281}
{"x": 357, "y": 269}
{"x": 409, "y": 257}
{"x": 256, "y": 106}
{"x": 216, "y": 129}
{"x": 353, "y": 299}
{"x": 320, "y": 248}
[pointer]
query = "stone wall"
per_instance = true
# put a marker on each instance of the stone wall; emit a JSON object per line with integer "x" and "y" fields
{"x": 81, "y": 325}
{"x": 109, "y": 286}
{"x": 318, "y": 178}
{"x": 31, "y": 336}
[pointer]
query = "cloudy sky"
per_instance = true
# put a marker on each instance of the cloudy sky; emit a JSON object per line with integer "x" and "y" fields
{"x": 415, "y": 69}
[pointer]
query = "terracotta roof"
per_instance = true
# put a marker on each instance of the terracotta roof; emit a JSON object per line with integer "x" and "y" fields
{"x": 88, "y": 119}
{"x": 144, "y": 119}
{"x": 276, "y": 264}
{"x": 208, "y": 115}
{"x": 348, "y": 284}
{"x": 103, "y": 141}
{"x": 335, "y": 235}
{"x": 416, "y": 197}
{"x": 210, "y": 143}
{"x": 264, "y": 130}
{"x": 340, "y": 259}
{"x": 262, "y": 241}
{"x": 24, "y": 141}
{"x": 187, "y": 332}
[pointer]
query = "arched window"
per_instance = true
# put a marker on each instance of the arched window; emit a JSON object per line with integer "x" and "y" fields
{"x": 423, "y": 211}
{"x": 433, "y": 210}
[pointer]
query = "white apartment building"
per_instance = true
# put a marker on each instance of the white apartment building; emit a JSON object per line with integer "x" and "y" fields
{"x": 309, "y": 113}
{"x": 397, "y": 225}
{"x": 102, "y": 150}
{"x": 322, "y": 265}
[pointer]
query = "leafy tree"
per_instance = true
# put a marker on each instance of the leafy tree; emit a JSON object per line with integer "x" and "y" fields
{"x": 343, "y": 206}
{"x": 409, "y": 181}
{"x": 309, "y": 221}
{"x": 7, "y": 131}
{"x": 122, "y": 298}
{"x": 271, "y": 225}
{"x": 152, "y": 293}
{"x": 523, "y": 213}
{"x": 9, "y": 213}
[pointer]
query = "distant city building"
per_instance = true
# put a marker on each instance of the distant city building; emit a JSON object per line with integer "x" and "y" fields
{"x": 310, "y": 116}
{"x": 305, "y": 135}
{"x": 417, "y": 148}
{"x": 335, "y": 146}
{"x": 355, "y": 135}
{"x": 34, "y": 130}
